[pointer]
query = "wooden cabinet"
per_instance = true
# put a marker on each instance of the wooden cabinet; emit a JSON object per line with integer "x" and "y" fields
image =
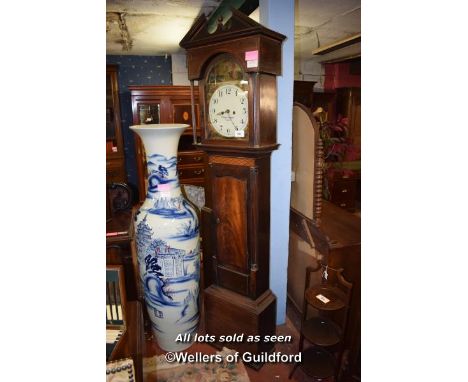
{"x": 115, "y": 160}
{"x": 120, "y": 248}
{"x": 131, "y": 343}
{"x": 168, "y": 104}
{"x": 343, "y": 188}
{"x": 304, "y": 92}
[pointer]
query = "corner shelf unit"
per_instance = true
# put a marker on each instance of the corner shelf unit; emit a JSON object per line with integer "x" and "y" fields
{"x": 324, "y": 332}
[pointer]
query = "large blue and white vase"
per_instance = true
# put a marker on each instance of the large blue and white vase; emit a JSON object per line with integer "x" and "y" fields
{"x": 168, "y": 241}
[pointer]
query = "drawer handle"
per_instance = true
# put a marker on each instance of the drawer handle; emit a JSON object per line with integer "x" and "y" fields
{"x": 345, "y": 190}
{"x": 197, "y": 159}
{"x": 343, "y": 205}
{"x": 198, "y": 172}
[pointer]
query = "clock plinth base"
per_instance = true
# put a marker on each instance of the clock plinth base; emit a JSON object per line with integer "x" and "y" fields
{"x": 230, "y": 314}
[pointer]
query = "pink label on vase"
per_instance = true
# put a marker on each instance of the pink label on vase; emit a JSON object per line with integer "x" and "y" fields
{"x": 164, "y": 187}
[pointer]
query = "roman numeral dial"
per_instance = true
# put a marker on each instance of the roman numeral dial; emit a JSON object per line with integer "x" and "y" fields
{"x": 228, "y": 111}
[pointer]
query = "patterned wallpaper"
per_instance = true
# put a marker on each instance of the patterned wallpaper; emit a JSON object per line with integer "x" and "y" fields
{"x": 137, "y": 70}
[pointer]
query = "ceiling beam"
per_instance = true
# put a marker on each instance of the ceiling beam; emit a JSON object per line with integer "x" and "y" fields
{"x": 342, "y": 59}
{"x": 337, "y": 45}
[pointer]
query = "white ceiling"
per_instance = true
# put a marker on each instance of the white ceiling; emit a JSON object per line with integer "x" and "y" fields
{"x": 155, "y": 27}
{"x": 322, "y": 22}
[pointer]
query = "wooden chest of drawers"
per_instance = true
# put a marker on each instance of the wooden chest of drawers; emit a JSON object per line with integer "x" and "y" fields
{"x": 343, "y": 187}
{"x": 191, "y": 167}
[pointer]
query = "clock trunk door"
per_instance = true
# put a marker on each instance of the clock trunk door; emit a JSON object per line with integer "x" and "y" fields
{"x": 232, "y": 187}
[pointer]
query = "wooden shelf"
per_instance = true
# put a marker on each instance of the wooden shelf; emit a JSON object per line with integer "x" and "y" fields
{"x": 321, "y": 331}
{"x": 335, "y": 295}
{"x": 324, "y": 331}
{"x": 318, "y": 363}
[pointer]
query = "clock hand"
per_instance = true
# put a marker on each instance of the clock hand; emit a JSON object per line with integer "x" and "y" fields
{"x": 230, "y": 118}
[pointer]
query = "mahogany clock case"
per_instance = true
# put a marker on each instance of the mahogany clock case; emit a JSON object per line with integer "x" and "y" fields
{"x": 236, "y": 216}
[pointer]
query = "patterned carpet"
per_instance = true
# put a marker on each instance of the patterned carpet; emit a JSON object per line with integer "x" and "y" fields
{"x": 158, "y": 369}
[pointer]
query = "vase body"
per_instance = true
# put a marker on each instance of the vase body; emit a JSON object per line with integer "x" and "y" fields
{"x": 168, "y": 241}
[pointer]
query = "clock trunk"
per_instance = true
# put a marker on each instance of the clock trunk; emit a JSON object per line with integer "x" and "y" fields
{"x": 236, "y": 221}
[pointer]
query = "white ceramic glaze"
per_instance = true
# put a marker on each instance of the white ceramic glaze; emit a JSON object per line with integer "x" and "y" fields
{"x": 168, "y": 241}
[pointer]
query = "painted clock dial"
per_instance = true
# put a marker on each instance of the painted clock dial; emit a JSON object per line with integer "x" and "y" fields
{"x": 226, "y": 92}
{"x": 228, "y": 111}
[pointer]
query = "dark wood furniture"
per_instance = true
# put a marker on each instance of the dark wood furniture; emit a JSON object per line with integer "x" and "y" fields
{"x": 324, "y": 330}
{"x": 236, "y": 217}
{"x": 332, "y": 234}
{"x": 306, "y": 196}
{"x": 338, "y": 240}
{"x": 115, "y": 160}
{"x": 132, "y": 341}
{"x": 343, "y": 188}
{"x": 304, "y": 93}
{"x": 125, "y": 316}
{"x": 121, "y": 256}
{"x": 348, "y": 103}
{"x": 120, "y": 249}
{"x": 120, "y": 197}
{"x": 168, "y": 104}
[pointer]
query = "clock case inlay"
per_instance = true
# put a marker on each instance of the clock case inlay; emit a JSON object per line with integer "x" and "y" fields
{"x": 236, "y": 216}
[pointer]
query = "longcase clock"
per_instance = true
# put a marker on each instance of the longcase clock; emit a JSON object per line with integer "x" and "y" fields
{"x": 236, "y": 67}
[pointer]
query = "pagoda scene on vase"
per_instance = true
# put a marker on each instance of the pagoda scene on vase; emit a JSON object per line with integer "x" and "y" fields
{"x": 170, "y": 277}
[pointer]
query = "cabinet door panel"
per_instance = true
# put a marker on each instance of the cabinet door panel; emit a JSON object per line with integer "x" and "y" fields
{"x": 115, "y": 171}
{"x": 231, "y": 227}
{"x": 149, "y": 113}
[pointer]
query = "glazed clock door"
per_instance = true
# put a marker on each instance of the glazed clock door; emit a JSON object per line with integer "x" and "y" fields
{"x": 226, "y": 92}
{"x": 231, "y": 224}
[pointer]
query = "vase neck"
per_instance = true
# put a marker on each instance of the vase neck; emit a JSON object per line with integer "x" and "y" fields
{"x": 163, "y": 177}
{"x": 160, "y": 142}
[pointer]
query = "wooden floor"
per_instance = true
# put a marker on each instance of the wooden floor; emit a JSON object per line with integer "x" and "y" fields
{"x": 275, "y": 372}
